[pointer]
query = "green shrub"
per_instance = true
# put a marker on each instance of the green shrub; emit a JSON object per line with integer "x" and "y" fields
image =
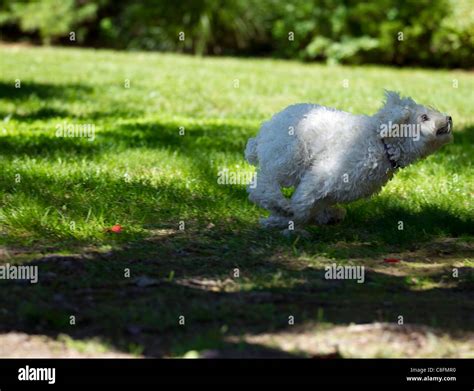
{"x": 454, "y": 40}
{"x": 50, "y": 18}
{"x": 412, "y": 32}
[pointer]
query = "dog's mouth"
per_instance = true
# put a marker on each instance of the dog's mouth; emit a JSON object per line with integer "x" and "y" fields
{"x": 446, "y": 129}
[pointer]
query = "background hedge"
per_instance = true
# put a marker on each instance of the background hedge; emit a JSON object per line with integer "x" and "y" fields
{"x": 435, "y": 32}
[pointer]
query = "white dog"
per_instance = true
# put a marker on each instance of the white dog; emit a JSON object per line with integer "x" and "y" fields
{"x": 330, "y": 156}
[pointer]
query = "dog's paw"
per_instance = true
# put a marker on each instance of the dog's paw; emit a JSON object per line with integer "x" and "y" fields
{"x": 281, "y": 207}
{"x": 275, "y": 221}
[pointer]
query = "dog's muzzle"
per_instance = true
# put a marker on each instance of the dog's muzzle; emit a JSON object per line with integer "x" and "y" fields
{"x": 446, "y": 129}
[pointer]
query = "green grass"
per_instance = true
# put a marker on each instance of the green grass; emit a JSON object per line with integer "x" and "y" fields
{"x": 62, "y": 195}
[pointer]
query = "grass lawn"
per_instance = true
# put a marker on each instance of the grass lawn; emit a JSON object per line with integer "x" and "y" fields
{"x": 164, "y": 126}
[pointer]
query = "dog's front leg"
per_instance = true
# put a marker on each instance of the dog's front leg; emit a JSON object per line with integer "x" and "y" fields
{"x": 307, "y": 201}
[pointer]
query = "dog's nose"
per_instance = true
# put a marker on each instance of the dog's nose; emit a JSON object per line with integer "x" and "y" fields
{"x": 449, "y": 122}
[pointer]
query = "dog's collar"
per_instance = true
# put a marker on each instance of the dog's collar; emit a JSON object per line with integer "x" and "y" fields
{"x": 392, "y": 161}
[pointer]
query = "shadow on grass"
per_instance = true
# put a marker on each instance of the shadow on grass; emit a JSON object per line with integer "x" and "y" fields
{"x": 50, "y": 113}
{"x": 70, "y": 92}
{"x": 43, "y": 91}
{"x": 199, "y": 139}
{"x": 192, "y": 275}
{"x": 44, "y": 113}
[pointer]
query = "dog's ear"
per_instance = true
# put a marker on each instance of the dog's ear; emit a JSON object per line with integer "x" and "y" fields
{"x": 400, "y": 114}
{"x": 392, "y": 98}
{"x": 395, "y": 109}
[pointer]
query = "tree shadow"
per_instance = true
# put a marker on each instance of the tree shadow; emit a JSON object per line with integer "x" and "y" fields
{"x": 43, "y": 91}
{"x": 183, "y": 274}
{"x": 47, "y": 146}
{"x": 44, "y": 113}
{"x": 199, "y": 139}
{"x": 465, "y": 136}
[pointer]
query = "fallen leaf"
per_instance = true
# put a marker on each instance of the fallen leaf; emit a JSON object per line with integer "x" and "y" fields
{"x": 115, "y": 228}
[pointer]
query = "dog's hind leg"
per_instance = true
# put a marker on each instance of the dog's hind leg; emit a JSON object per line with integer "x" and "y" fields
{"x": 267, "y": 194}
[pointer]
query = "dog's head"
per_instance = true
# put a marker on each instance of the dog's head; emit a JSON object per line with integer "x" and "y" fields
{"x": 417, "y": 130}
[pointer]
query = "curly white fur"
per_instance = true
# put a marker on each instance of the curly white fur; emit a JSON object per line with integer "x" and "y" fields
{"x": 332, "y": 157}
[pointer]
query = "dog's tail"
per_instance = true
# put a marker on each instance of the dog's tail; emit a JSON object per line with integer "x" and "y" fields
{"x": 251, "y": 151}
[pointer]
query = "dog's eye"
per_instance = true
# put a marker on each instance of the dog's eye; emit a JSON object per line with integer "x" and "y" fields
{"x": 424, "y": 118}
